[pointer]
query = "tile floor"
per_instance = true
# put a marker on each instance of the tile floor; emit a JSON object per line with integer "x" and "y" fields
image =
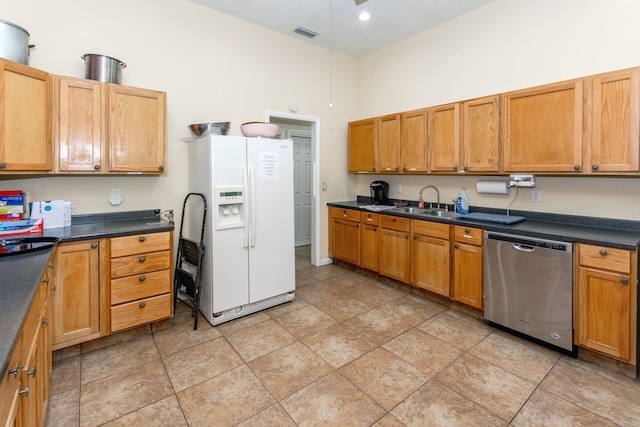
{"x": 348, "y": 351}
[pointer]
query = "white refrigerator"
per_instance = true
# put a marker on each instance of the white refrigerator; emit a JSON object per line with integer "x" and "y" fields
{"x": 249, "y": 230}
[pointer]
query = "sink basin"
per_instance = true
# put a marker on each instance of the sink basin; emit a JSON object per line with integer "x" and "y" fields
{"x": 429, "y": 212}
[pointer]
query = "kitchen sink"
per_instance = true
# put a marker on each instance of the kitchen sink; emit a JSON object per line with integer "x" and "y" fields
{"x": 429, "y": 212}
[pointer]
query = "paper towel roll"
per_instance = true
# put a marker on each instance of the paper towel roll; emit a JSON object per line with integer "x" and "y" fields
{"x": 492, "y": 187}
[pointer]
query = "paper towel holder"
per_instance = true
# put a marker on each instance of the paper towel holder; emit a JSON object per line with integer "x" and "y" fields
{"x": 493, "y": 185}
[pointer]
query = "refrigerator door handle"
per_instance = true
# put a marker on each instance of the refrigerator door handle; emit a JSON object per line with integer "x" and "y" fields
{"x": 252, "y": 207}
{"x": 245, "y": 234}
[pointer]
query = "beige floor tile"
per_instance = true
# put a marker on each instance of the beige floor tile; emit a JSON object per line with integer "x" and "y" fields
{"x": 65, "y": 375}
{"x": 384, "y": 376}
{"x": 260, "y": 339}
{"x": 118, "y": 357}
{"x": 226, "y": 399}
{"x": 613, "y": 400}
{"x": 410, "y": 311}
{"x": 235, "y": 325}
{"x": 339, "y": 345}
{"x": 491, "y": 387}
{"x": 289, "y": 369}
{"x": 350, "y": 282}
{"x": 423, "y": 351}
{"x": 549, "y": 410}
{"x": 117, "y": 338}
{"x": 388, "y": 421}
{"x": 201, "y": 362}
{"x": 303, "y": 279}
{"x": 64, "y": 409}
{"x": 375, "y": 295}
{"x": 306, "y": 321}
{"x": 163, "y": 413}
{"x": 456, "y": 329}
{"x": 65, "y": 353}
{"x": 342, "y": 308}
{"x": 182, "y": 335}
{"x": 109, "y": 398}
{"x": 436, "y": 405}
{"x": 281, "y": 309}
{"x": 325, "y": 272}
{"x": 273, "y": 416}
{"x": 377, "y": 326}
{"x": 316, "y": 292}
{"x": 332, "y": 401}
{"x": 525, "y": 359}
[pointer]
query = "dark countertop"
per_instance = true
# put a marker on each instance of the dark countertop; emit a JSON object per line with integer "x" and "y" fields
{"x": 20, "y": 273}
{"x": 616, "y": 233}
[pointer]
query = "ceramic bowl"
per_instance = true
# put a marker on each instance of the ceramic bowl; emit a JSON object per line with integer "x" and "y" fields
{"x": 259, "y": 129}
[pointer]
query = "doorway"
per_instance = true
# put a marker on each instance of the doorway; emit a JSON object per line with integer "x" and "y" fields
{"x": 304, "y": 132}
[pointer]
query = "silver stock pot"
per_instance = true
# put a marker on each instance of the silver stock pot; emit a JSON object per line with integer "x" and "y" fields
{"x": 14, "y": 42}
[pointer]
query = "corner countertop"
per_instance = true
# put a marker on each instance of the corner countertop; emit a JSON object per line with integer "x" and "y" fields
{"x": 623, "y": 234}
{"x": 20, "y": 273}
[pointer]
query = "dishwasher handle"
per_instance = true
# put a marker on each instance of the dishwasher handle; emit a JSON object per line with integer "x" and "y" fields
{"x": 523, "y": 247}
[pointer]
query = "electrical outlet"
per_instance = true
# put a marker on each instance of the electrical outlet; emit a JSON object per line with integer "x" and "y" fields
{"x": 324, "y": 186}
{"x": 399, "y": 189}
{"x": 536, "y": 196}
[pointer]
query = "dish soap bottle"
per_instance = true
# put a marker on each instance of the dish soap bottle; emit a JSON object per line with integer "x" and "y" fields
{"x": 463, "y": 201}
{"x": 420, "y": 203}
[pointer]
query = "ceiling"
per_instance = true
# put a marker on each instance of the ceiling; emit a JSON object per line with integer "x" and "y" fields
{"x": 336, "y": 21}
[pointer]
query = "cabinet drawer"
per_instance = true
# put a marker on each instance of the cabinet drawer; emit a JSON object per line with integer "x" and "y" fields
{"x": 470, "y": 235}
{"x": 431, "y": 229}
{"x": 605, "y": 258}
{"x": 138, "y": 264}
{"x": 395, "y": 223}
{"x": 140, "y": 286}
{"x": 369, "y": 218}
{"x": 140, "y": 312}
{"x": 140, "y": 243}
{"x": 347, "y": 214}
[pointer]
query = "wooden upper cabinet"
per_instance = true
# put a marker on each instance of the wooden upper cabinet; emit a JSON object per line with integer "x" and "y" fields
{"x": 388, "y": 143}
{"x": 542, "y": 128}
{"x": 615, "y": 135}
{"x": 444, "y": 138}
{"x": 80, "y": 134}
{"x": 25, "y": 119}
{"x": 481, "y": 135}
{"x": 136, "y": 129}
{"x": 362, "y": 146}
{"x": 413, "y": 142}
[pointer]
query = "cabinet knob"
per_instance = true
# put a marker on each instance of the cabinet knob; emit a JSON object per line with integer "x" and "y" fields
{"x": 25, "y": 391}
{"x": 3, "y": 165}
{"x": 142, "y": 259}
{"x": 45, "y": 322}
{"x": 595, "y": 167}
{"x": 455, "y": 168}
{"x": 45, "y": 281}
{"x": 624, "y": 280}
{"x": 142, "y": 278}
{"x": 577, "y": 167}
{"x": 96, "y": 167}
{"x": 603, "y": 252}
{"x": 141, "y": 238}
{"x": 456, "y": 246}
{"x": 53, "y": 289}
{"x": 94, "y": 245}
{"x": 160, "y": 168}
{"x": 415, "y": 237}
{"x": 15, "y": 371}
{"x": 467, "y": 231}
{"x": 466, "y": 169}
{"x": 406, "y": 236}
{"x": 32, "y": 372}
{"x": 142, "y": 305}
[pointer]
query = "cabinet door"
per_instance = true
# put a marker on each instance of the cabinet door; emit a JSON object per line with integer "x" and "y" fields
{"x": 413, "y": 143}
{"x": 481, "y": 135}
{"x": 80, "y": 125}
{"x": 136, "y": 129}
{"x": 369, "y": 253}
{"x": 542, "y": 129}
{"x": 395, "y": 254}
{"x": 615, "y": 138}
{"x": 603, "y": 314}
{"x": 76, "y": 295}
{"x": 430, "y": 264}
{"x": 467, "y": 274}
{"x": 362, "y": 146}
{"x": 444, "y": 138}
{"x": 25, "y": 118}
{"x": 345, "y": 240}
{"x": 388, "y": 143}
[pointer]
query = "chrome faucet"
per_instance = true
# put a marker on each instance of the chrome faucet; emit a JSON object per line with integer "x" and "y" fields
{"x": 437, "y": 193}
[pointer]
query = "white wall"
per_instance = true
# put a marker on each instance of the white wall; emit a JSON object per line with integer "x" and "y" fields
{"x": 213, "y": 68}
{"x": 508, "y": 45}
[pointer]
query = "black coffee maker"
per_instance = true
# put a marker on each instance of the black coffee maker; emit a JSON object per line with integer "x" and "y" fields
{"x": 380, "y": 193}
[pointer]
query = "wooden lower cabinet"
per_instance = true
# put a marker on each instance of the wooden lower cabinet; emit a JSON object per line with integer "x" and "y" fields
{"x": 430, "y": 256}
{"x": 78, "y": 293}
{"x": 344, "y": 235}
{"x": 395, "y": 248}
{"x": 369, "y": 240}
{"x": 468, "y": 266}
{"x": 606, "y": 295}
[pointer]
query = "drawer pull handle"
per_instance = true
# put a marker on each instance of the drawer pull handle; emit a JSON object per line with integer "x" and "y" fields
{"x": 15, "y": 371}
{"x": 94, "y": 245}
{"x": 142, "y": 278}
{"x": 603, "y": 252}
{"x": 142, "y": 305}
{"x": 141, "y": 238}
{"x": 142, "y": 259}
{"x": 466, "y": 236}
{"x": 32, "y": 372}
{"x": 624, "y": 280}
{"x": 25, "y": 391}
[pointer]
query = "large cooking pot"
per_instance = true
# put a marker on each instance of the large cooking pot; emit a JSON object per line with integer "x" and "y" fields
{"x": 14, "y": 42}
{"x": 102, "y": 68}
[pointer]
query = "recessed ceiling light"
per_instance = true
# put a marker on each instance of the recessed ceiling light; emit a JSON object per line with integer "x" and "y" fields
{"x": 364, "y": 16}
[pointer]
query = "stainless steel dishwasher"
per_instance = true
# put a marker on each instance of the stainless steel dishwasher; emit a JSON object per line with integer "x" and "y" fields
{"x": 529, "y": 287}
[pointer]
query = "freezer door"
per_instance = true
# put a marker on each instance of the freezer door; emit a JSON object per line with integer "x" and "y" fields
{"x": 271, "y": 220}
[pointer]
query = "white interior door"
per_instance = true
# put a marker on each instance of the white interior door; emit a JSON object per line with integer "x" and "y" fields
{"x": 302, "y": 185}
